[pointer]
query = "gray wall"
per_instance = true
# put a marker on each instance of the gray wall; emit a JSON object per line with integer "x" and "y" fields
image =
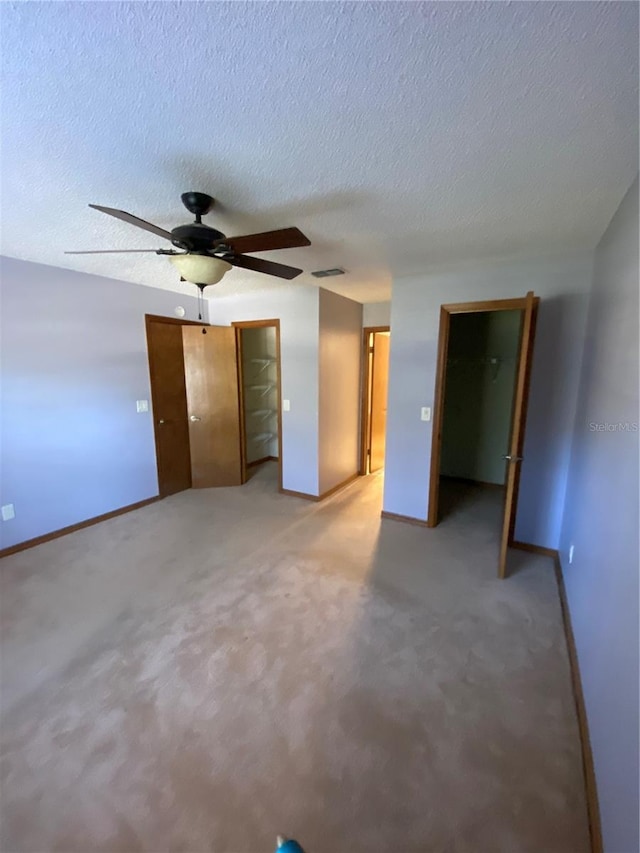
{"x": 339, "y": 365}
{"x": 376, "y": 314}
{"x": 601, "y": 520}
{"x": 479, "y": 394}
{"x": 74, "y": 362}
{"x": 296, "y": 306}
{"x": 563, "y": 284}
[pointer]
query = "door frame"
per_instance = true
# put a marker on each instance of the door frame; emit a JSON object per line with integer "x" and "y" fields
{"x": 365, "y": 380}
{"x": 446, "y": 312}
{"x": 239, "y": 325}
{"x": 174, "y": 321}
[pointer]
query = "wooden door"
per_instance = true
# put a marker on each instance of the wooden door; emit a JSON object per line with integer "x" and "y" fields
{"x": 516, "y": 444}
{"x": 169, "y": 403}
{"x": 379, "y": 386}
{"x": 211, "y": 374}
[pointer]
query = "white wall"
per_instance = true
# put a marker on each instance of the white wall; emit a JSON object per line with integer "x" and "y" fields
{"x": 340, "y": 354}
{"x": 296, "y": 306}
{"x": 563, "y": 284}
{"x": 376, "y": 314}
{"x": 601, "y": 520}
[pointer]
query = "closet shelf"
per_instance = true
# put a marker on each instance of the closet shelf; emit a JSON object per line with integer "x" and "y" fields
{"x": 263, "y": 436}
{"x": 263, "y": 412}
{"x": 264, "y": 388}
{"x": 481, "y": 360}
{"x": 263, "y": 362}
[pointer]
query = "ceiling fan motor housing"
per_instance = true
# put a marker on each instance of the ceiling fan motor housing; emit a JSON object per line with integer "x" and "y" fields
{"x": 195, "y": 237}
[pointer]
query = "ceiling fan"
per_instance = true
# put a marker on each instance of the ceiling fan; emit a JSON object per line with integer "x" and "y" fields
{"x": 207, "y": 254}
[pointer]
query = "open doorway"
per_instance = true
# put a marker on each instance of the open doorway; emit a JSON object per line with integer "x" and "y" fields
{"x": 478, "y": 403}
{"x": 215, "y": 394}
{"x": 376, "y": 342}
{"x": 484, "y": 365}
{"x": 260, "y": 400}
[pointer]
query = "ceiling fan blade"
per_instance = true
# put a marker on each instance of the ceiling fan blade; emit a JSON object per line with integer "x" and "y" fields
{"x": 259, "y": 265}
{"x": 133, "y": 220}
{"x": 284, "y": 238}
{"x": 112, "y": 252}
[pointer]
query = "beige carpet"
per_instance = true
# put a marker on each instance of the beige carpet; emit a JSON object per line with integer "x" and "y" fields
{"x": 225, "y": 665}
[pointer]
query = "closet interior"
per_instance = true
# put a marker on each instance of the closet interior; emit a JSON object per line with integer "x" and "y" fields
{"x": 260, "y": 393}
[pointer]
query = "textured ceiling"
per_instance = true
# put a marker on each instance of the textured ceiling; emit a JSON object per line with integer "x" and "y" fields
{"x": 396, "y": 135}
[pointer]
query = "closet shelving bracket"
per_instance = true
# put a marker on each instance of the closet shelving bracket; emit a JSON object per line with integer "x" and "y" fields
{"x": 264, "y": 388}
{"x": 263, "y": 413}
{"x": 263, "y": 362}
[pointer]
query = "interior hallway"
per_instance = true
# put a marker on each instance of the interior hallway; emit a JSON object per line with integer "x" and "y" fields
{"x": 229, "y": 664}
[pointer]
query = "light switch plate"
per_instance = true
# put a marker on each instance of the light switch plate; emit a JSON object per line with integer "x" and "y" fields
{"x": 8, "y": 512}
{"x": 142, "y": 406}
{"x": 286, "y": 405}
{"x": 425, "y": 413}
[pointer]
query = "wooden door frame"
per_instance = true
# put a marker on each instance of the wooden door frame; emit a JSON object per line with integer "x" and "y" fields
{"x": 239, "y": 325}
{"x": 174, "y": 321}
{"x": 446, "y": 311}
{"x": 365, "y": 379}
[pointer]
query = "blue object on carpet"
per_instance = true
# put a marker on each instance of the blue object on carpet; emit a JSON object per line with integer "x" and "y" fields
{"x": 289, "y": 846}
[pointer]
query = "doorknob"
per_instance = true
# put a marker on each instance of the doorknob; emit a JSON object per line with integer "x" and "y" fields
{"x": 161, "y": 421}
{"x": 513, "y": 458}
{"x": 193, "y": 419}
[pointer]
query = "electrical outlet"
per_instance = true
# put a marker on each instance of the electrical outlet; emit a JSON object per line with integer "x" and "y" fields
{"x": 286, "y": 405}
{"x": 425, "y": 413}
{"x": 8, "y": 512}
{"x": 571, "y": 553}
{"x": 142, "y": 406}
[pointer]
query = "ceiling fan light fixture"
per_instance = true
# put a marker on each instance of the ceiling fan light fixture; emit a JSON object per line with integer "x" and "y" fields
{"x": 200, "y": 269}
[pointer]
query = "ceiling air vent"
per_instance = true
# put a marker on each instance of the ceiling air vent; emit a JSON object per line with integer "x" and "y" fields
{"x": 327, "y": 273}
